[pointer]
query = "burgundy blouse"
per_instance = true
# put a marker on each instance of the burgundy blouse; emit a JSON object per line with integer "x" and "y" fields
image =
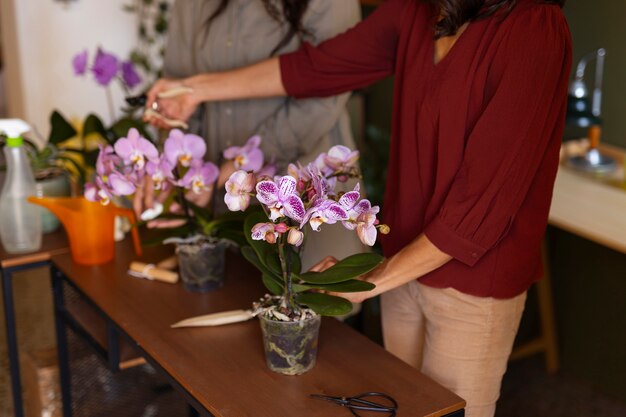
{"x": 475, "y": 138}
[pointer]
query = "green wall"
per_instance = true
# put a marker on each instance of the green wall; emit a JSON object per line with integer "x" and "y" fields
{"x": 602, "y": 24}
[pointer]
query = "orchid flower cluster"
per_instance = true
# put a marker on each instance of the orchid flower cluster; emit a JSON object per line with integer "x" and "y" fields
{"x": 106, "y": 67}
{"x": 179, "y": 169}
{"x": 306, "y": 196}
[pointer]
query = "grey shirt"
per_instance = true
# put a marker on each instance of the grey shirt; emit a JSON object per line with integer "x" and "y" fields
{"x": 243, "y": 34}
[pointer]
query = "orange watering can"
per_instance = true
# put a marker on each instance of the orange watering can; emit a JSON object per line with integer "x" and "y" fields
{"x": 89, "y": 227}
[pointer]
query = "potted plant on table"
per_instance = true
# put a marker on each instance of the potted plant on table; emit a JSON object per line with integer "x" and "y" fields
{"x": 304, "y": 199}
{"x": 179, "y": 175}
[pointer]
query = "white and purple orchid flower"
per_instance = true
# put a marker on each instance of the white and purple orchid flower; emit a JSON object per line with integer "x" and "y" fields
{"x": 281, "y": 198}
{"x": 341, "y": 158}
{"x": 248, "y": 157}
{"x": 265, "y": 231}
{"x": 183, "y": 148}
{"x": 324, "y": 211}
{"x": 135, "y": 150}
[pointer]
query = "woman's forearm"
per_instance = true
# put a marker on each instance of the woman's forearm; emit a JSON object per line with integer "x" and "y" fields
{"x": 255, "y": 81}
{"x": 414, "y": 261}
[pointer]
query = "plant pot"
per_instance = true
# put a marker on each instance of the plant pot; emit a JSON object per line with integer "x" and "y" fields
{"x": 290, "y": 346}
{"x": 201, "y": 264}
{"x": 57, "y": 185}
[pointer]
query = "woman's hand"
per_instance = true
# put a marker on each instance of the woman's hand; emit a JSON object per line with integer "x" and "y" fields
{"x": 354, "y": 297}
{"x": 178, "y": 106}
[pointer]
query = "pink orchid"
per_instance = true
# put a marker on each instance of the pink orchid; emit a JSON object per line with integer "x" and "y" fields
{"x": 200, "y": 177}
{"x": 135, "y": 149}
{"x": 264, "y": 231}
{"x": 120, "y": 184}
{"x": 183, "y": 148}
{"x": 238, "y": 190}
{"x": 98, "y": 192}
{"x": 160, "y": 172}
{"x": 107, "y": 161}
{"x": 248, "y": 157}
{"x": 281, "y": 198}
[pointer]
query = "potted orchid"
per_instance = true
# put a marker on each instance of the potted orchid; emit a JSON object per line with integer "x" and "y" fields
{"x": 179, "y": 175}
{"x": 294, "y": 205}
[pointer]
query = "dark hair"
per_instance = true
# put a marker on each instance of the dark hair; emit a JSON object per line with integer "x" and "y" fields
{"x": 292, "y": 12}
{"x": 457, "y": 12}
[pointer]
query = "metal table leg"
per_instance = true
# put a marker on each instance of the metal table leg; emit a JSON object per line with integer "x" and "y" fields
{"x": 14, "y": 361}
{"x": 64, "y": 363}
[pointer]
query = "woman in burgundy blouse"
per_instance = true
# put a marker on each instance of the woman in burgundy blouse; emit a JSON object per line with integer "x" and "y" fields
{"x": 479, "y": 106}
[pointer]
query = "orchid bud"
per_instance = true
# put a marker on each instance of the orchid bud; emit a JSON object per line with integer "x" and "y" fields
{"x": 384, "y": 229}
{"x": 295, "y": 237}
{"x": 281, "y": 227}
{"x": 270, "y": 237}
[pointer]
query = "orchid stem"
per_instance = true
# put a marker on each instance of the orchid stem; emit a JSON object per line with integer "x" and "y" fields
{"x": 285, "y": 263}
{"x": 110, "y": 103}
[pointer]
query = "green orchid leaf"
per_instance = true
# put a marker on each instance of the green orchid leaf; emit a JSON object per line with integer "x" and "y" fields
{"x": 351, "y": 285}
{"x": 201, "y": 213}
{"x": 93, "y": 124}
{"x": 273, "y": 285}
{"x": 348, "y": 268}
{"x": 253, "y": 258}
{"x": 263, "y": 249}
{"x": 324, "y": 304}
{"x": 235, "y": 236}
{"x": 123, "y": 125}
{"x": 60, "y": 129}
{"x": 296, "y": 261}
{"x": 273, "y": 262}
{"x": 79, "y": 169}
{"x": 156, "y": 238}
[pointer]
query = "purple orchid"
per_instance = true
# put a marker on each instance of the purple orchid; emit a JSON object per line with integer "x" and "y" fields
{"x": 107, "y": 161}
{"x": 200, "y": 177}
{"x": 281, "y": 198}
{"x": 264, "y": 231}
{"x": 98, "y": 192}
{"x": 121, "y": 184}
{"x": 341, "y": 158}
{"x": 238, "y": 190}
{"x": 324, "y": 211}
{"x": 160, "y": 172}
{"x": 129, "y": 74}
{"x": 248, "y": 157}
{"x": 79, "y": 63}
{"x": 183, "y": 148}
{"x": 105, "y": 67}
{"x": 135, "y": 149}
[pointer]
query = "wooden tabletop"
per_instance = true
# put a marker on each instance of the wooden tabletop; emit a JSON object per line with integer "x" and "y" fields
{"x": 52, "y": 244}
{"x": 224, "y": 367}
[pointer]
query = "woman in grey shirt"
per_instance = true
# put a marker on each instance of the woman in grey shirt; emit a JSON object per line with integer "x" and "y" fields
{"x": 218, "y": 35}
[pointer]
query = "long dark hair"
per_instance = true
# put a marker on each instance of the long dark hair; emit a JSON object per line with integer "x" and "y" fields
{"x": 292, "y": 12}
{"x": 457, "y": 12}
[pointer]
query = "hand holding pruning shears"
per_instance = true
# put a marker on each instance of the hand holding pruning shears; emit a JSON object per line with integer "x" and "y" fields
{"x": 168, "y": 104}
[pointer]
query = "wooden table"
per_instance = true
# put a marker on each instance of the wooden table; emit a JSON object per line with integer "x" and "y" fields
{"x": 52, "y": 244}
{"x": 221, "y": 371}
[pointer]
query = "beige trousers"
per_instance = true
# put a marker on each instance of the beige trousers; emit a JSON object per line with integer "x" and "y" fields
{"x": 459, "y": 340}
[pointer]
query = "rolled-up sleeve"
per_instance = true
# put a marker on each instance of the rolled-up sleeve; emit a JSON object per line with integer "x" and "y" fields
{"x": 523, "y": 116}
{"x": 352, "y": 60}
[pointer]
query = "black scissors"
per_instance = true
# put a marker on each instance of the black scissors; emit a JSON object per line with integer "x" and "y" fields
{"x": 358, "y": 402}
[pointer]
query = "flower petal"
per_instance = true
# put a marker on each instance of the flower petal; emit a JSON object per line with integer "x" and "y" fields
{"x": 267, "y": 192}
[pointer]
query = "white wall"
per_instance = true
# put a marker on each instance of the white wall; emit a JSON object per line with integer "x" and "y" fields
{"x": 41, "y": 37}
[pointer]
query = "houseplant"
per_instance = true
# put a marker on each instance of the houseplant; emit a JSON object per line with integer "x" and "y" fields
{"x": 294, "y": 205}
{"x": 179, "y": 175}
